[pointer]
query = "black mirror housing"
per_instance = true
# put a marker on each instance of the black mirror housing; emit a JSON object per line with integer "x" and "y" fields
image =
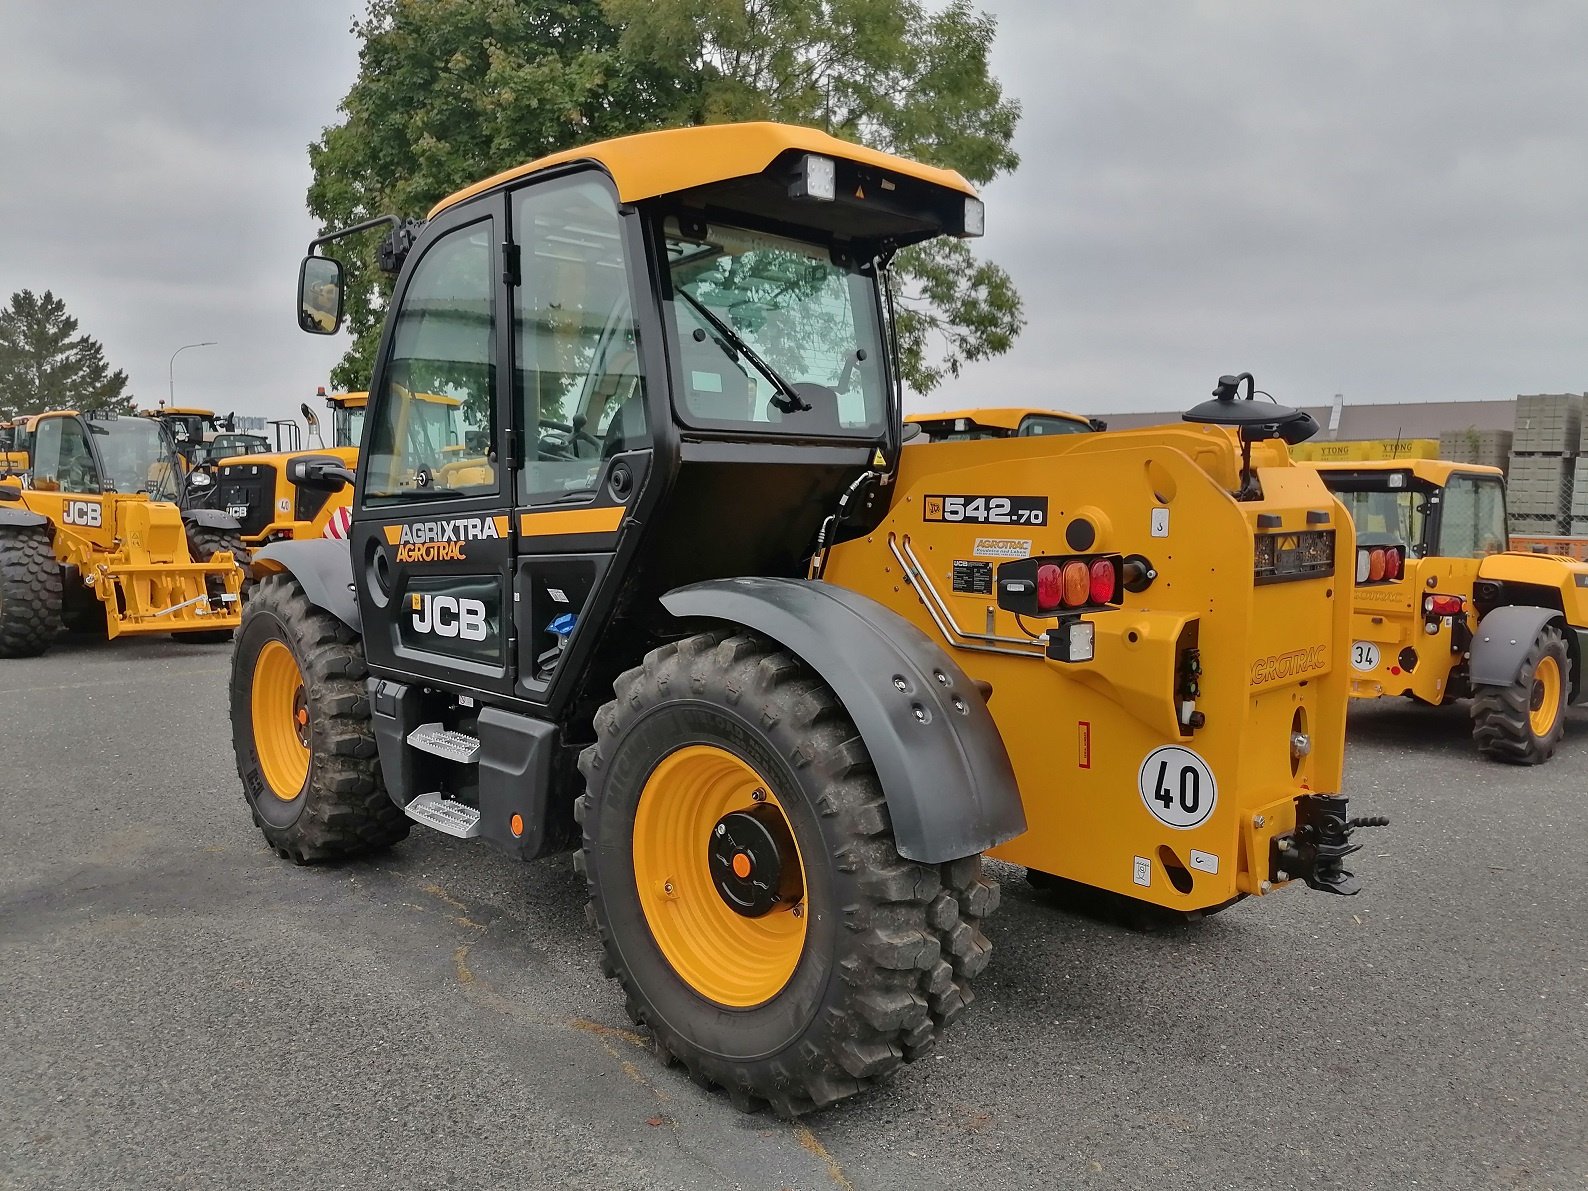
{"x": 320, "y": 295}
{"x": 323, "y": 473}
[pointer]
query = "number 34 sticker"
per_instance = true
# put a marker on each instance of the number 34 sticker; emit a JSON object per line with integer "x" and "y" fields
{"x": 1177, "y": 787}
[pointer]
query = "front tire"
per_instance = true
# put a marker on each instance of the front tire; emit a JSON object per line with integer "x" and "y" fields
{"x": 301, "y": 731}
{"x": 862, "y": 959}
{"x": 30, "y": 593}
{"x": 1523, "y": 723}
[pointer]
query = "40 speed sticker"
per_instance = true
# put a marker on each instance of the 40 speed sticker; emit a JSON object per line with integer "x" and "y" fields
{"x": 1364, "y": 656}
{"x": 1177, "y": 787}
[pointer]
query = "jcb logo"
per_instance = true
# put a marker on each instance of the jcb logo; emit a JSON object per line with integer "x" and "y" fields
{"x": 83, "y": 512}
{"x": 448, "y": 616}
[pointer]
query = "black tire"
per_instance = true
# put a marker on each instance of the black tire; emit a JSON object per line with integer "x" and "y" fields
{"x": 30, "y": 593}
{"x": 1502, "y": 724}
{"x": 1104, "y": 905}
{"x": 342, "y": 808}
{"x": 891, "y": 945}
{"x": 204, "y": 542}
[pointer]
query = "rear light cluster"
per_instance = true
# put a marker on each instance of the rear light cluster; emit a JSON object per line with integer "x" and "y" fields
{"x": 1443, "y": 605}
{"x": 1283, "y": 557}
{"x": 1380, "y": 564}
{"x": 1061, "y": 586}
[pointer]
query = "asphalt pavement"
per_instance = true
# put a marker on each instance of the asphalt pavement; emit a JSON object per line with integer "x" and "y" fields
{"x": 180, "y": 1008}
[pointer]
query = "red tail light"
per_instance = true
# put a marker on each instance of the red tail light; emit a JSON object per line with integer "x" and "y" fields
{"x": 1375, "y": 565}
{"x": 1077, "y": 583}
{"x": 1392, "y": 563}
{"x": 1050, "y": 586}
{"x": 1105, "y": 580}
{"x": 1444, "y": 605}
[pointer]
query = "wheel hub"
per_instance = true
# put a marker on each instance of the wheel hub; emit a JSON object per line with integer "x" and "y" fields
{"x": 754, "y": 867}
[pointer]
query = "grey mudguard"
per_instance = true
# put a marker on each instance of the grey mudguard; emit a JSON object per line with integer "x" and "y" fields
{"x": 22, "y": 519}
{"x": 950, "y": 789}
{"x": 211, "y": 518}
{"x": 325, "y": 568}
{"x": 1502, "y": 640}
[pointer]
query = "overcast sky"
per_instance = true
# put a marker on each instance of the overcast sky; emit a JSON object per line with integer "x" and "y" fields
{"x": 1387, "y": 200}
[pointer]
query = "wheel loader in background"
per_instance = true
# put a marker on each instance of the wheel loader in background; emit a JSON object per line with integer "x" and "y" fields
{"x": 97, "y": 542}
{"x": 778, "y": 696}
{"x": 1444, "y": 611}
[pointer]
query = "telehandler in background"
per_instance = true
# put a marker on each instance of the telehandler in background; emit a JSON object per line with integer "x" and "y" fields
{"x": 965, "y": 425}
{"x": 15, "y": 438}
{"x": 1444, "y": 611}
{"x": 97, "y": 541}
{"x": 676, "y": 615}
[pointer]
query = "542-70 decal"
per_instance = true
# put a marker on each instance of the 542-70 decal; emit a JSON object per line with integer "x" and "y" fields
{"x": 987, "y": 510}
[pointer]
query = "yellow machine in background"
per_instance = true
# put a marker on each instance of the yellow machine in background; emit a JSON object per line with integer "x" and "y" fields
{"x": 1168, "y": 747}
{"x": 15, "y": 438}
{"x": 98, "y": 540}
{"x": 1444, "y": 611}
{"x": 1009, "y": 422}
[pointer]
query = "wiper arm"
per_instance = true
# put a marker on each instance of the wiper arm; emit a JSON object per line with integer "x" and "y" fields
{"x": 790, "y": 402}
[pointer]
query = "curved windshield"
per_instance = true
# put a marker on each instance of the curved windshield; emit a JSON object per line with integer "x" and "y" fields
{"x": 772, "y": 334}
{"x": 136, "y": 457}
{"x": 347, "y": 425}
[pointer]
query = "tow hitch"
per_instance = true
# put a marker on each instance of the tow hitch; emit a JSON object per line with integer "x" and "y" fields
{"x": 1320, "y": 842}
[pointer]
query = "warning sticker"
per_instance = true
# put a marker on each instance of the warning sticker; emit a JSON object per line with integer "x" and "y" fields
{"x": 1084, "y": 732}
{"x": 1141, "y": 871}
{"x": 1204, "y": 861}
{"x": 1003, "y": 548}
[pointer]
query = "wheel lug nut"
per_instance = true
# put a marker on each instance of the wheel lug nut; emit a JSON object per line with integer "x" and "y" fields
{"x": 799, "y": 910}
{"x": 758, "y": 796}
{"x": 721, "y": 830}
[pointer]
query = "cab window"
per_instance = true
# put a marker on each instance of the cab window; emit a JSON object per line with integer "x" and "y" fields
{"x": 755, "y": 314}
{"x": 1388, "y": 518}
{"x": 61, "y": 459}
{"x": 1472, "y": 518}
{"x": 432, "y": 437}
{"x": 579, "y": 390}
{"x": 1035, "y": 425}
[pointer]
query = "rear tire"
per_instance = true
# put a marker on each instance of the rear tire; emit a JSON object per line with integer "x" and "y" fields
{"x": 30, "y": 593}
{"x": 204, "y": 542}
{"x": 889, "y": 945}
{"x": 301, "y": 731}
{"x": 1523, "y": 723}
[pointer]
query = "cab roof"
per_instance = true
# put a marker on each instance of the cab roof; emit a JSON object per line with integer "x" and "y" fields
{"x": 1000, "y": 418}
{"x": 1434, "y": 471}
{"x": 649, "y": 164}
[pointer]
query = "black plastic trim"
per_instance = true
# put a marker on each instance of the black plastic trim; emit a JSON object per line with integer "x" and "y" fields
{"x": 323, "y": 566}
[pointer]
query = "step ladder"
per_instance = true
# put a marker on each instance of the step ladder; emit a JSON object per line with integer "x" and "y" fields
{"x": 446, "y": 816}
{"x": 445, "y": 743}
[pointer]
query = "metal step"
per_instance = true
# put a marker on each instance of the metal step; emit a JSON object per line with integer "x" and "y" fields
{"x": 446, "y": 816}
{"x": 442, "y": 742}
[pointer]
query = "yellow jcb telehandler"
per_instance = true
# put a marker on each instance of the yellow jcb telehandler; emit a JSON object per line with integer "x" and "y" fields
{"x": 96, "y": 540}
{"x": 781, "y": 697}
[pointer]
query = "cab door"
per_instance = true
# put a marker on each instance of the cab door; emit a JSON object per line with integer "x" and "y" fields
{"x": 432, "y": 533}
{"x": 66, "y": 484}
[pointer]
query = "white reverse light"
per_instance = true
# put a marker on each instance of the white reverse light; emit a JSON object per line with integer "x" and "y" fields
{"x": 975, "y": 217}
{"x": 817, "y": 178}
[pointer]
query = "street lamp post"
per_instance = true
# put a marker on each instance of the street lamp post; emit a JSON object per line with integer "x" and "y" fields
{"x": 171, "y": 367}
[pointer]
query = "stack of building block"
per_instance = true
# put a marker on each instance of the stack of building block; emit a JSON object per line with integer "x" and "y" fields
{"x": 1544, "y": 450}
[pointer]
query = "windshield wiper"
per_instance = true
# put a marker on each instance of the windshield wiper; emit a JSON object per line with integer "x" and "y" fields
{"x": 790, "y": 402}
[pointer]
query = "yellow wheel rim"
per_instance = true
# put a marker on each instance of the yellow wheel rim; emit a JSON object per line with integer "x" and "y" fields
{"x": 281, "y": 721}
{"x": 1545, "y": 702}
{"x": 724, "y": 955}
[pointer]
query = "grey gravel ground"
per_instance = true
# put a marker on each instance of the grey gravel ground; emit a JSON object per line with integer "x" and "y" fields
{"x": 179, "y": 1008}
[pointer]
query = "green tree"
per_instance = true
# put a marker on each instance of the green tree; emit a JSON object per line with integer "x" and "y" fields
{"x": 450, "y": 91}
{"x": 46, "y": 364}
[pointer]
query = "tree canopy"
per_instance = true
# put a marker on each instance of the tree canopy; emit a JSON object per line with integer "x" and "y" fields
{"x": 450, "y": 91}
{"x": 46, "y": 364}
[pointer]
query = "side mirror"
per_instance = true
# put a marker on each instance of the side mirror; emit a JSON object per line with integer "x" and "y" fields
{"x": 320, "y": 295}
{"x": 10, "y": 492}
{"x": 321, "y": 473}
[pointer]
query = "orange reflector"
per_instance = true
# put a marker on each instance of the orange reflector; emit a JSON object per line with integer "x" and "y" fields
{"x": 1077, "y": 583}
{"x": 741, "y": 866}
{"x": 517, "y": 824}
{"x": 1375, "y": 565}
